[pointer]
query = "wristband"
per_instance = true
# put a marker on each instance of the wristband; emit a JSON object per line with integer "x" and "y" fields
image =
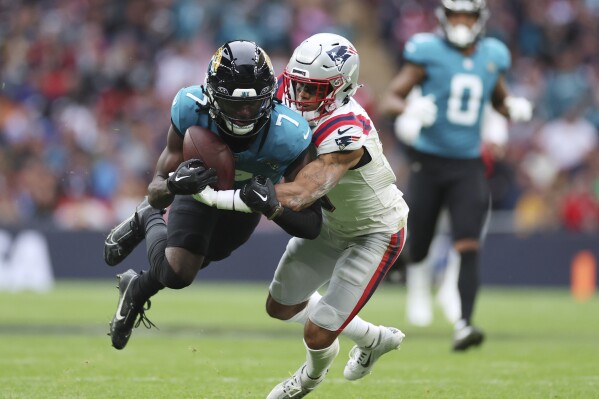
{"x": 228, "y": 200}
{"x": 277, "y": 212}
{"x": 238, "y": 204}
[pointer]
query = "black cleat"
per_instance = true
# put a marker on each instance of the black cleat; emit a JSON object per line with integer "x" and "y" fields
{"x": 127, "y": 312}
{"x": 123, "y": 239}
{"x": 467, "y": 337}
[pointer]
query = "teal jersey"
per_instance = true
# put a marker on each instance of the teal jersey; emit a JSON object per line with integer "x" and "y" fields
{"x": 461, "y": 86}
{"x": 283, "y": 139}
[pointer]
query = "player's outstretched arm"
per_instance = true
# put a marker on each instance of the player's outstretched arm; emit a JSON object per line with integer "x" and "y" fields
{"x": 316, "y": 179}
{"x": 260, "y": 195}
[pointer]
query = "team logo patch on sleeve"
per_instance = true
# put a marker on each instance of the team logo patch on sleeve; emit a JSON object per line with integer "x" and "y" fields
{"x": 344, "y": 141}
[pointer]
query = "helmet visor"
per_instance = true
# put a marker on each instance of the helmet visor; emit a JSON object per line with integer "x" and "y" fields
{"x": 243, "y": 110}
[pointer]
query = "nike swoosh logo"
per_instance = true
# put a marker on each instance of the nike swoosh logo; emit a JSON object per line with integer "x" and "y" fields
{"x": 306, "y": 134}
{"x": 118, "y": 315}
{"x": 367, "y": 363}
{"x": 110, "y": 239}
{"x": 177, "y": 178}
{"x": 203, "y": 101}
{"x": 263, "y": 197}
{"x": 343, "y": 131}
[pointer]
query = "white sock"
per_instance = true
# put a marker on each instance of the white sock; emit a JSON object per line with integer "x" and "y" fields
{"x": 448, "y": 295}
{"x": 363, "y": 333}
{"x": 419, "y": 307}
{"x": 319, "y": 360}
{"x": 460, "y": 324}
{"x": 302, "y": 316}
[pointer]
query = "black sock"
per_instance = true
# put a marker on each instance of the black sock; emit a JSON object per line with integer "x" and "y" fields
{"x": 149, "y": 283}
{"x": 468, "y": 282}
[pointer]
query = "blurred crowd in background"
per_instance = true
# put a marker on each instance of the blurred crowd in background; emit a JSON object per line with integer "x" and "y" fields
{"x": 86, "y": 88}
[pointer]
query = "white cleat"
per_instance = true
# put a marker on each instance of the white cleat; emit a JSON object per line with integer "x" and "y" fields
{"x": 361, "y": 360}
{"x": 297, "y": 386}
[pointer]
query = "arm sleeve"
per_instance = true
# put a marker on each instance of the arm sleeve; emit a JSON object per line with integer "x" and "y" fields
{"x": 303, "y": 224}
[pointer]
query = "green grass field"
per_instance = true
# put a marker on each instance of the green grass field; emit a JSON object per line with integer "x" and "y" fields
{"x": 215, "y": 341}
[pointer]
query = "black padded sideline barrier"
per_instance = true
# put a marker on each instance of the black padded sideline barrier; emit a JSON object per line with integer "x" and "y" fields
{"x": 542, "y": 260}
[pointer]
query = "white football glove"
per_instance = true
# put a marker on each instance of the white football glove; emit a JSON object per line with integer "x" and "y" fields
{"x": 519, "y": 109}
{"x": 420, "y": 112}
{"x": 494, "y": 127}
{"x": 423, "y": 109}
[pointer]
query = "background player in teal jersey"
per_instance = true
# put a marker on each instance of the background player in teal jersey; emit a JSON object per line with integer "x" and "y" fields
{"x": 267, "y": 139}
{"x": 458, "y": 73}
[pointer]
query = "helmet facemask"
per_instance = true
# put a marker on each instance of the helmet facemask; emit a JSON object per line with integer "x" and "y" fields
{"x": 321, "y": 95}
{"x": 461, "y": 35}
{"x": 241, "y": 113}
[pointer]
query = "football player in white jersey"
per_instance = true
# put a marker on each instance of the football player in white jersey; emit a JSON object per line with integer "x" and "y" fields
{"x": 364, "y": 218}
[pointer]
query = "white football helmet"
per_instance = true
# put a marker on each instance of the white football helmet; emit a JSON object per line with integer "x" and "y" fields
{"x": 326, "y": 65}
{"x": 460, "y": 35}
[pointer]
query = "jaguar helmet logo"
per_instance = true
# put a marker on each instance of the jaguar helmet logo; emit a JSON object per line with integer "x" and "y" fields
{"x": 216, "y": 58}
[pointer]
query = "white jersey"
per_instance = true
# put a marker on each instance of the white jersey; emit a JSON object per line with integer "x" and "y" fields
{"x": 366, "y": 199}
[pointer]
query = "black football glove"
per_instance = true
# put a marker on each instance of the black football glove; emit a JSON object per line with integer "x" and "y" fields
{"x": 191, "y": 177}
{"x": 259, "y": 194}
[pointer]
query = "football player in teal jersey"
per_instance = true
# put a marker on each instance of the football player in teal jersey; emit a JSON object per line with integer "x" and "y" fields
{"x": 457, "y": 73}
{"x": 267, "y": 139}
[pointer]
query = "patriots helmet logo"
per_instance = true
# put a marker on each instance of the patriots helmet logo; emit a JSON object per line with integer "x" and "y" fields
{"x": 340, "y": 54}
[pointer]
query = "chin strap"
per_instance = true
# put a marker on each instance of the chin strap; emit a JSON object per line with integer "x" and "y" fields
{"x": 228, "y": 200}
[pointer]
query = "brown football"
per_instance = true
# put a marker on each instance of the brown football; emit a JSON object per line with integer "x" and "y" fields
{"x": 200, "y": 143}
